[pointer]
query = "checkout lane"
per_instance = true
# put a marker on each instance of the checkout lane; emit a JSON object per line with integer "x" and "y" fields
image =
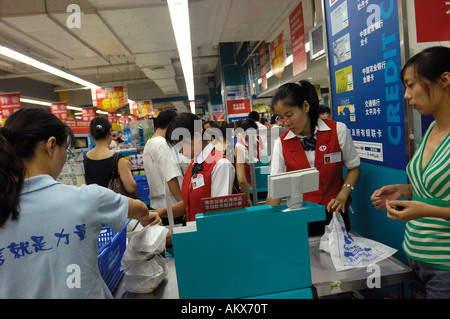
{"x": 325, "y": 279}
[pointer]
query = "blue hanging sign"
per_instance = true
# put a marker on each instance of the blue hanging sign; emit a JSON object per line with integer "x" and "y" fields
{"x": 365, "y": 63}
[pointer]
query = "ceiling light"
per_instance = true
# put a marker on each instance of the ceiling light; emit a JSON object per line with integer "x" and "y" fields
{"x": 44, "y": 103}
{"x": 15, "y": 55}
{"x": 179, "y": 14}
{"x": 74, "y": 108}
{"x": 37, "y": 102}
{"x": 289, "y": 59}
{"x": 307, "y": 47}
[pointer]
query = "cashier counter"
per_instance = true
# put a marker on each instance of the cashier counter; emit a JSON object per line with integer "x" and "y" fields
{"x": 258, "y": 252}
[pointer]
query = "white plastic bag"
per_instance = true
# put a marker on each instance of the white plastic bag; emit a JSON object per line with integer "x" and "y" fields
{"x": 351, "y": 252}
{"x": 146, "y": 277}
{"x": 144, "y": 260}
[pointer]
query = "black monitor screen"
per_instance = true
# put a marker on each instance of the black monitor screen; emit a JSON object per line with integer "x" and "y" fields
{"x": 81, "y": 142}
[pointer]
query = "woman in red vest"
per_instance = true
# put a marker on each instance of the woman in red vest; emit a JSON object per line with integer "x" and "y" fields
{"x": 210, "y": 173}
{"x": 243, "y": 158}
{"x": 312, "y": 142}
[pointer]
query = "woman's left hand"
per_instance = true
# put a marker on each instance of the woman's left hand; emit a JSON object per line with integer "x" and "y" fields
{"x": 404, "y": 210}
{"x": 152, "y": 219}
{"x": 336, "y": 205}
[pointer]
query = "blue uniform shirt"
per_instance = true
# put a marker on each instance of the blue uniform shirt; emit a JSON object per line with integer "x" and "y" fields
{"x": 51, "y": 250}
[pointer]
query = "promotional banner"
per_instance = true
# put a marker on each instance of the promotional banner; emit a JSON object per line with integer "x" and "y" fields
{"x": 142, "y": 108}
{"x": 367, "y": 93}
{"x": 9, "y": 103}
{"x": 110, "y": 99}
{"x": 60, "y": 110}
{"x": 88, "y": 114}
{"x": 297, "y": 29}
{"x": 263, "y": 66}
{"x": 432, "y": 20}
{"x": 124, "y": 119}
{"x": 278, "y": 56}
{"x": 239, "y": 107}
{"x": 78, "y": 127}
{"x": 114, "y": 120}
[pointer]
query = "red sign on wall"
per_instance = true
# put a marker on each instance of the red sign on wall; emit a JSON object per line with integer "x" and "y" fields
{"x": 298, "y": 40}
{"x": 239, "y": 107}
{"x": 278, "y": 56}
{"x": 9, "y": 103}
{"x": 60, "y": 110}
{"x": 263, "y": 66}
{"x": 110, "y": 99}
{"x": 432, "y": 20}
{"x": 88, "y": 114}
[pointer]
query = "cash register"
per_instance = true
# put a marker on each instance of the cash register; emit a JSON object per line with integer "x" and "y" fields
{"x": 252, "y": 252}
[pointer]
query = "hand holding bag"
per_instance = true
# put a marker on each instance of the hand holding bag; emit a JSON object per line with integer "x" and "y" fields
{"x": 115, "y": 183}
{"x": 351, "y": 252}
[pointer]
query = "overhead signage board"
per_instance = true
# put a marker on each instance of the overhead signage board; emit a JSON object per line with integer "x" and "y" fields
{"x": 365, "y": 64}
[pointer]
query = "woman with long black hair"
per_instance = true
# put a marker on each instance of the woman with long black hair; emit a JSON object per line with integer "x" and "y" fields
{"x": 49, "y": 231}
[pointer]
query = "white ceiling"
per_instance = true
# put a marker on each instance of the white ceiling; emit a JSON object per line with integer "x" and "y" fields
{"x": 131, "y": 42}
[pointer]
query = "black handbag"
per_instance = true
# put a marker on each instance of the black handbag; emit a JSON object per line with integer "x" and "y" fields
{"x": 115, "y": 183}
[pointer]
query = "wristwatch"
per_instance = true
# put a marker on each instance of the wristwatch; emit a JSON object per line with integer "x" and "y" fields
{"x": 349, "y": 186}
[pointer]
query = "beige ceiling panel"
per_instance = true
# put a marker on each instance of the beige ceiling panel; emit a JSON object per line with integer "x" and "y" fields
{"x": 42, "y": 28}
{"x": 180, "y": 106}
{"x": 96, "y": 34}
{"x": 168, "y": 86}
{"x": 154, "y": 58}
{"x": 160, "y": 72}
{"x": 119, "y": 4}
{"x": 142, "y": 30}
{"x": 14, "y": 35}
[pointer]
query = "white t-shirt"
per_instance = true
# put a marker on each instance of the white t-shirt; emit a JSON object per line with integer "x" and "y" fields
{"x": 54, "y": 241}
{"x": 350, "y": 157}
{"x": 160, "y": 165}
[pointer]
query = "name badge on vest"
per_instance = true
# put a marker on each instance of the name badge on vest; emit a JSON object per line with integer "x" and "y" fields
{"x": 332, "y": 158}
{"x": 198, "y": 182}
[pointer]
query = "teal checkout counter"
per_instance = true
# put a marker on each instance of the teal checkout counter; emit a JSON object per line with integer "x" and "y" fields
{"x": 255, "y": 252}
{"x": 258, "y": 252}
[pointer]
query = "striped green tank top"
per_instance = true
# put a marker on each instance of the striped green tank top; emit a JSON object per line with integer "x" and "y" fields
{"x": 428, "y": 239}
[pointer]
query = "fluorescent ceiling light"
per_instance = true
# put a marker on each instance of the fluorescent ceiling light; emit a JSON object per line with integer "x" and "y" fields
{"x": 35, "y": 102}
{"x": 179, "y": 14}
{"x": 101, "y": 112}
{"x": 289, "y": 59}
{"x": 45, "y": 67}
{"x": 44, "y": 103}
{"x": 74, "y": 108}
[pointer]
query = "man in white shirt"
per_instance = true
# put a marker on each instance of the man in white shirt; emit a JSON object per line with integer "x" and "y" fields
{"x": 161, "y": 164}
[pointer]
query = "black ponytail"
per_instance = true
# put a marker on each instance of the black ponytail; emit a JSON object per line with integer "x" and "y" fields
{"x": 99, "y": 127}
{"x": 11, "y": 178}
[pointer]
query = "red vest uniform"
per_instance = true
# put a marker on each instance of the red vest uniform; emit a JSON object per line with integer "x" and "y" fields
{"x": 330, "y": 174}
{"x": 192, "y": 197}
{"x": 247, "y": 166}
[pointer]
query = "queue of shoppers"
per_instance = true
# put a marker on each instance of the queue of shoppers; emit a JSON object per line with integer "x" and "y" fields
{"x": 46, "y": 225}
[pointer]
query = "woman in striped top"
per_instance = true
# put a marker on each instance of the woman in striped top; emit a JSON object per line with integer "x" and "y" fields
{"x": 426, "y": 77}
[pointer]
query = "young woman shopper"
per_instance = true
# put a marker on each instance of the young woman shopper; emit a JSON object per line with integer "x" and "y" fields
{"x": 98, "y": 162}
{"x": 313, "y": 142}
{"x": 49, "y": 231}
{"x": 426, "y": 77}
